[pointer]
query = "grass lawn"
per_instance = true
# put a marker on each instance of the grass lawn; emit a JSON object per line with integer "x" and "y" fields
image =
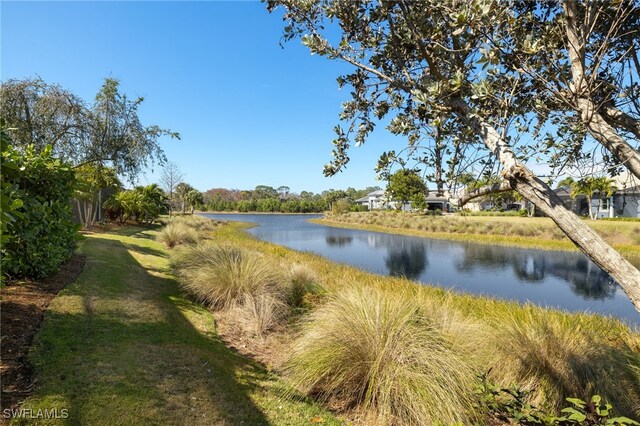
{"x": 535, "y": 232}
{"x": 122, "y": 345}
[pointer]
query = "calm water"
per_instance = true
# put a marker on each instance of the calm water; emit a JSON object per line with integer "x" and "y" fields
{"x": 551, "y": 278}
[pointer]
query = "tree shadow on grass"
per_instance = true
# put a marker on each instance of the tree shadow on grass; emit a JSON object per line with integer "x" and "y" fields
{"x": 116, "y": 346}
{"x": 145, "y": 250}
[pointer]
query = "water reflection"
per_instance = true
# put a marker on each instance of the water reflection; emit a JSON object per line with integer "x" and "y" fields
{"x": 407, "y": 260}
{"x": 338, "y": 240}
{"x": 585, "y": 278}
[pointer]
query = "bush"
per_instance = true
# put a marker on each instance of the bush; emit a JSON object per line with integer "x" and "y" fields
{"x": 383, "y": 353}
{"x": 38, "y": 232}
{"x": 222, "y": 276}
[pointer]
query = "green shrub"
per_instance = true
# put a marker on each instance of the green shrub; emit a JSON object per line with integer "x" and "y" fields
{"x": 221, "y": 276}
{"x": 384, "y": 354}
{"x": 38, "y": 232}
{"x": 341, "y": 206}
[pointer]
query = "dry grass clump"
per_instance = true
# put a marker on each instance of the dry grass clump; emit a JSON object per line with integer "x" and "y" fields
{"x": 196, "y": 222}
{"x": 383, "y": 353}
{"x": 304, "y": 288}
{"x": 177, "y": 233}
{"x": 559, "y": 356}
{"x": 222, "y": 276}
{"x": 260, "y": 313}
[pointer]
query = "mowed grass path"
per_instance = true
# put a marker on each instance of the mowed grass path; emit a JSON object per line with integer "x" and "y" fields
{"x": 122, "y": 345}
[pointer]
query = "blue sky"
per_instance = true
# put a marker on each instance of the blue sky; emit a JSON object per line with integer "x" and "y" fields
{"x": 249, "y": 112}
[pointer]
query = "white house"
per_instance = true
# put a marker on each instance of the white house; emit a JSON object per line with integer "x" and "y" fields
{"x": 378, "y": 200}
{"x": 374, "y": 200}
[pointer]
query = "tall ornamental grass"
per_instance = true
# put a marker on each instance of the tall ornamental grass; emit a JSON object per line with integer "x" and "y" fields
{"x": 556, "y": 356}
{"x": 176, "y": 233}
{"x": 222, "y": 276}
{"x": 382, "y": 352}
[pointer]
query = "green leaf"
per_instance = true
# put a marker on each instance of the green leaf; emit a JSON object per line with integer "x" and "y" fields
{"x": 622, "y": 421}
{"x": 577, "y": 402}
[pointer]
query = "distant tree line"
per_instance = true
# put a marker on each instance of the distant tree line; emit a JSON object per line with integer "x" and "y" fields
{"x": 268, "y": 199}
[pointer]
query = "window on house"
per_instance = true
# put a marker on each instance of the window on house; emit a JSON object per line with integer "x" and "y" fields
{"x": 605, "y": 204}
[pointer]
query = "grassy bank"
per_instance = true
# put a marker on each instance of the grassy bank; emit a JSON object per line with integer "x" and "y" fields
{"x": 534, "y": 232}
{"x": 366, "y": 341}
{"x": 122, "y": 345}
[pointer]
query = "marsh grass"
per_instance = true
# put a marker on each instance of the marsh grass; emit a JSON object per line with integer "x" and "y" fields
{"x": 382, "y": 352}
{"x": 554, "y": 356}
{"x": 199, "y": 223}
{"x": 176, "y": 233}
{"x": 305, "y": 288}
{"x": 260, "y": 313}
{"x": 222, "y": 276}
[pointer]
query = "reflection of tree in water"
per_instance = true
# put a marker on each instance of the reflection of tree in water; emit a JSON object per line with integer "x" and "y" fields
{"x": 584, "y": 277}
{"x": 408, "y": 259}
{"x": 340, "y": 241}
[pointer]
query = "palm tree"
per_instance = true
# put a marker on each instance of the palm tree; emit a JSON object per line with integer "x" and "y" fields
{"x": 589, "y": 186}
{"x": 605, "y": 188}
{"x": 182, "y": 189}
{"x": 194, "y": 198}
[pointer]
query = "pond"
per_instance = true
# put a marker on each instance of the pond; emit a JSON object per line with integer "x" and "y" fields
{"x": 566, "y": 280}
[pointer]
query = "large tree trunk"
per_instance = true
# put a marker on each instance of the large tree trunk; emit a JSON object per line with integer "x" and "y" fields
{"x": 597, "y": 125}
{"x": 607, "y": 135}
{"x": 540, "y": 194}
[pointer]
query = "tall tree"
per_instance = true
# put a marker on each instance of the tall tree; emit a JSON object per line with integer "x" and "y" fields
{"x": 41, "y": 114}
{"x": 589, "y": 187}
{"x": 169, "y": 179}
{"x": 405, "y": 185}
{"x": 284, "y": 192}
{"x": 108, "y": 132}
{"x": 434, "y": 63}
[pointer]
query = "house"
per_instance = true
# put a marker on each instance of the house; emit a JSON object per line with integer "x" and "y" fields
{"x": 375, "y": 200}
{"x": 439, "y": 202}
{"x": 625, "y": 202}
{"x": 378, "y": 200}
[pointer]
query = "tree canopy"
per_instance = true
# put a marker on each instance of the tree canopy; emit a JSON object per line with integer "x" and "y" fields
{"x": 405, "y": 185}
{"x": 514, "y": 81}
{"x": 109, "y": 131}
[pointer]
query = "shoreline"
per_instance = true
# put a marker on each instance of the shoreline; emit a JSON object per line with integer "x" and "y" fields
{"x": 631, "y": 252}
{"x": 260, "y": 213}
